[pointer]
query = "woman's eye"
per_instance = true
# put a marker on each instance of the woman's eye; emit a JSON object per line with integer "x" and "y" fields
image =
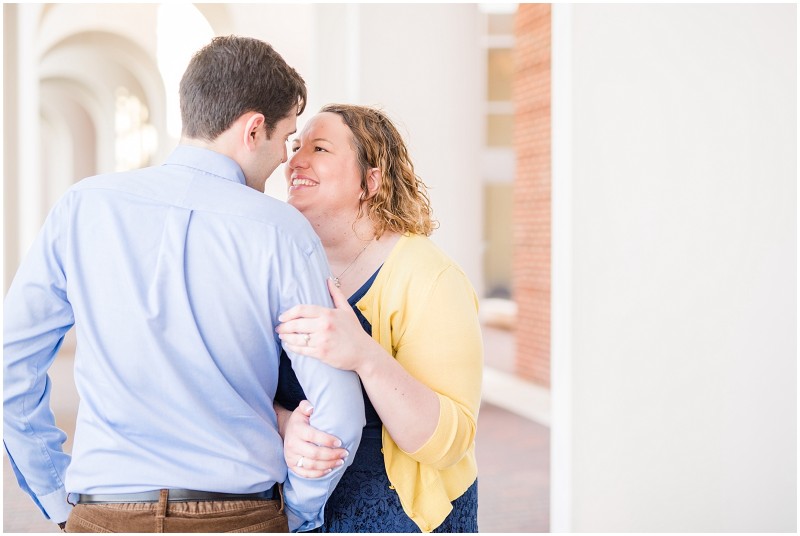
{"x": 320, "y": 149}
{"x": 295, "y": 149}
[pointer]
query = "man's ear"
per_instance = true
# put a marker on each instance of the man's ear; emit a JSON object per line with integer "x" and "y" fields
{"x": 253, "y": 124}
{"x": 374, "y": 178}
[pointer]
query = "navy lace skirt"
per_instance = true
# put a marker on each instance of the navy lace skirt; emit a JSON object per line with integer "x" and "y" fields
{"x": 363, "y": 501}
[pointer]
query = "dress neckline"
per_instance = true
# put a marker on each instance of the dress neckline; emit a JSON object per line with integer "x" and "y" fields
{"x": 357, "y": 295}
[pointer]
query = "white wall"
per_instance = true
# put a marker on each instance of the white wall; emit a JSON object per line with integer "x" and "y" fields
{"x": 675, "y": 344}
{"x": 429, "y": 81}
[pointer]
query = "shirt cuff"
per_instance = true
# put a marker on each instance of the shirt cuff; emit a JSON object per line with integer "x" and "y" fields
{"x": 299, "y": 523}
{"x": 55, "y": 505}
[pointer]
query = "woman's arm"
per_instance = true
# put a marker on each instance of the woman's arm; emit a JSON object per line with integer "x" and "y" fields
{"x": 430, "y": 388}
{"x": 440, "y": 344}
{"x": 320, "y": 451}
{"x": 408, "y": 408}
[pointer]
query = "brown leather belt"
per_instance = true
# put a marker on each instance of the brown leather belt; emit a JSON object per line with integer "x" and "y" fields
{"x": 177, "y": 495}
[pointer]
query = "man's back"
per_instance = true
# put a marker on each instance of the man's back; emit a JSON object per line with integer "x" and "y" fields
{"x": 175, "y": 276}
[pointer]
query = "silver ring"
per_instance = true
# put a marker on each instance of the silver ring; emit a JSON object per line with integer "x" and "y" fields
{"x": 307, "y": 337}
{"x": 300, "y": 462}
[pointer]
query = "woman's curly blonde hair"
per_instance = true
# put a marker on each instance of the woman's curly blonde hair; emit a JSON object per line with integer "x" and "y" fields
{"x": 401, "y": 203}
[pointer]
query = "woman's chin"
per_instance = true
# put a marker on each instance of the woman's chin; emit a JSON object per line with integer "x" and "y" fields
{"x": 298, "y": 203}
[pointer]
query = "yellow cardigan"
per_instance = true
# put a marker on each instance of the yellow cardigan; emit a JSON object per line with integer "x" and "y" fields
{"x": 424, "y": 311}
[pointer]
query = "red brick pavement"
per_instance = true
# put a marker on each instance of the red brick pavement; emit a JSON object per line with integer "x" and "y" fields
{"x": 513, "y": 473}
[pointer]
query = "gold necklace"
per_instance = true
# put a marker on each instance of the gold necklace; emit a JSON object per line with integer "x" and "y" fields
{"x": 336, "y": 279}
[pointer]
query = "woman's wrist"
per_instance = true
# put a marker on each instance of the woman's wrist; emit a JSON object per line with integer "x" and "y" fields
{"x": 371, "y": 360}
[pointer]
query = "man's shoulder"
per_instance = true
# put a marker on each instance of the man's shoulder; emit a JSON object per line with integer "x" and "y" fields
{"x": 114, "y": 181}
{"x": 202, "y": 193}
{"x": 104, "y": 184}
{"x": 258, "y": 207}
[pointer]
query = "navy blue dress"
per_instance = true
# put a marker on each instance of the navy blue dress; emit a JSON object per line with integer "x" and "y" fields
{"x": 363, "y": 501}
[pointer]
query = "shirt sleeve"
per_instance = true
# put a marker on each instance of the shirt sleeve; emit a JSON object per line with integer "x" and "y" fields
{"x": 442, "y": 347}
{"x": 36, "y": 317}
{"x": 338, "y": 407}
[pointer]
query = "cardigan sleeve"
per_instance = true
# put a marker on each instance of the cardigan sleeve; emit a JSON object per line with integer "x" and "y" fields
{"x": 442, "y": 348}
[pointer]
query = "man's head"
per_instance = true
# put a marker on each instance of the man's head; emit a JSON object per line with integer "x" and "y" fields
{"x": 242, "y": 88}
{"x": 231, "y": 76}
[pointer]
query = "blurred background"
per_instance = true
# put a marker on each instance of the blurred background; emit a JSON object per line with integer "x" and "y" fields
{"x": 618, "y": 182}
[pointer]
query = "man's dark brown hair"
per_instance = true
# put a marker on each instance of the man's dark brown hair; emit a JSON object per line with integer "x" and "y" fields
{"x": 234, "y": 75}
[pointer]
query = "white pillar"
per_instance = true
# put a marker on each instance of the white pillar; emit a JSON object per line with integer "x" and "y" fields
{"x": 10, "y": 16}
{"x": 430, "y": 82}
{"x": 31, "y": 204}
{"x": 675, "y": 269}
{"x": 561, "y": 272}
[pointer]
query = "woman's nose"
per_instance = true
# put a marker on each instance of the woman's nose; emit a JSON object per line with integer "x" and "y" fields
{"x": 294, "y": 159}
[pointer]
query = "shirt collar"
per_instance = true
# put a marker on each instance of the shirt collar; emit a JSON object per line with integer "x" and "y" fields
{"x": 207, "y": 161}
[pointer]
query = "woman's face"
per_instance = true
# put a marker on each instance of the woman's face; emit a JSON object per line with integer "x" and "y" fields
{"x": 323, "y": 175}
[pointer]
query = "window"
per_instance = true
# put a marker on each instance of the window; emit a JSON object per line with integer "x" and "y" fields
{"x": 498, "y": 153}
{"x": 136, "y": 138}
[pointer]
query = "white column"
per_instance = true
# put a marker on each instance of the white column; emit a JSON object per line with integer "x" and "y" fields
{"x": 10, "y": 15}
{"x": 678, "y": 316}
{"x": 336, "y": 51}
{"x": 421, "y": 64}
{"x": 31, "y": 207}
{"x": 561, "y": 272}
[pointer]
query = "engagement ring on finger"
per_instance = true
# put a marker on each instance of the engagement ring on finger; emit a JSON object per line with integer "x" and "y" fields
{"x": 300, "y": 462}
{"x": 306, "y": 337}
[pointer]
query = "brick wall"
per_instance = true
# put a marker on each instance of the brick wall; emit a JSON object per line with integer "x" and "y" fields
{"x": 531, "y": 212}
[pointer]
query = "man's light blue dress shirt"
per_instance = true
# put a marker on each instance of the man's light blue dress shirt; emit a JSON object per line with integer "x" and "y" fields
{"x": 173, "y": 277}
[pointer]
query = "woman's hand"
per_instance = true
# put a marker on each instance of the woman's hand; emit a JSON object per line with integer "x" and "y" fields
{"x": 316, "y": 451}
{"x": 334, "y": 336}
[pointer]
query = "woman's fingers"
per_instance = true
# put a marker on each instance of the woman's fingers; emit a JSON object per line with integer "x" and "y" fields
{"x": 320, "y": 458}
{"x": 339, "y": 299}
{"x": 319, "y": 325}
{"x": 298, "y": 325}
{"x": 307, "y": 471}
{"x": 309, "y": 452}
{"x": 309, "y": 349}
{"x": 300, "y": 335}
{"x": 301, "y": 311}
{"x": 318, "y": 445}
{"x": 317, "y": 461}
{"x": 306, "y": 467}
{"x": 305, "y": 408}
{"x": 296, "y": 341}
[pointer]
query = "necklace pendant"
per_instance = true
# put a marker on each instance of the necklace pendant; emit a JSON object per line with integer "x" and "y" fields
{"x": 336, "y": 279}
